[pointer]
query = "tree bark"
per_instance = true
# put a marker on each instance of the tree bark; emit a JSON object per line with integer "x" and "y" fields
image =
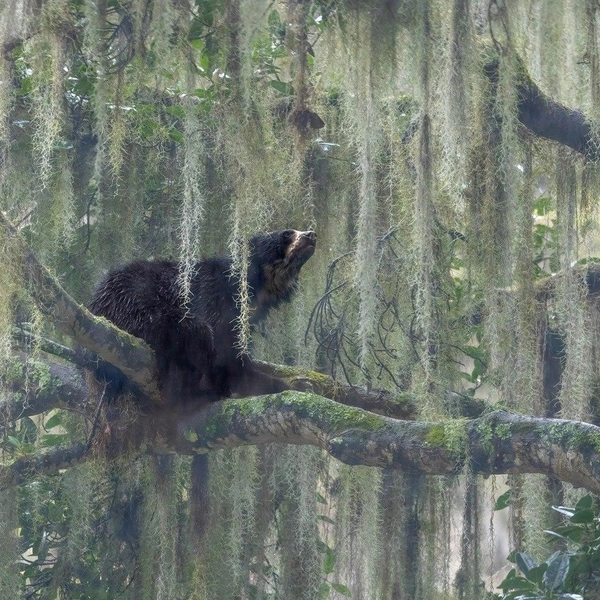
{"x": 548, "y": 119}
{"x": 130, "y": 354}
{"x": 497, "y": 443}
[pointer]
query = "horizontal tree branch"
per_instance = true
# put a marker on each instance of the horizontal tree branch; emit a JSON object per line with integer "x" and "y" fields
{"x": 548, "y": 119}
{"x": 28, "y": 468}
{"x": 40, "y": 385}
{"x": 497, "y": 443}
{"x": 398, "y": 405}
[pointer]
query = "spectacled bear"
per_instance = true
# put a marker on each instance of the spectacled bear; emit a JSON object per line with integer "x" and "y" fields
{"x": 196, "y": 343}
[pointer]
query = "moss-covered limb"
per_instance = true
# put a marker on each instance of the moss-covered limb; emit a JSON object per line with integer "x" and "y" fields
{"x": 131, "y": 355}
{"x": 399, "y": 405}
{"x": 39, "y": 385}
{"x": 549, "y": 119}
{"x": 29, "y": 467}
{"x": 503, "y": 442}
{"x": 289, "y": 417}
{"x": 28, "y": 339}
{"x": 51, "y": 384}
{"x": 496, "y": 443}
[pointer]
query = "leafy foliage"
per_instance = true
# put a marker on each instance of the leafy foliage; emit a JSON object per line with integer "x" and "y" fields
{"x": 571, "y": 574}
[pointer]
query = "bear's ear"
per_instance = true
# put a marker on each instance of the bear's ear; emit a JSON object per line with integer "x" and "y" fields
{"x": 288, "y": 236}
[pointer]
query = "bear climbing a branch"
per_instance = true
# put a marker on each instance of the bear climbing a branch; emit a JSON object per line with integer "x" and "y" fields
{"x": 196, "y": 341}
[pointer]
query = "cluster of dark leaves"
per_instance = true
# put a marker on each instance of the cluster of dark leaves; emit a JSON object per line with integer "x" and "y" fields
{"x": 572, "y": 573}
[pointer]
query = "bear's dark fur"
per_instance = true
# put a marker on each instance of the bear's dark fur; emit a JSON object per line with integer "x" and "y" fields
{"x": 196, "y": 343}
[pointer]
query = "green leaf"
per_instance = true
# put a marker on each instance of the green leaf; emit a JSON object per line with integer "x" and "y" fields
{"x": 321, "y": 499}
{"x": 53, "y": 439}
{"x": 29, "y": 431}
{"x": 342, "y": 589}
{"x": 200, "y": 93}
{"x": 14, "y": 441}
{"x": 556, "y": 573}
{"x": 585, "y": 502}
{"x": 518, "y": 584}
{"x": 54, "y": 421}
{"x": 274, "y": 18}
{"x": 503, "y": 501}
{"x": 325, "y": 519}
{"x": 542, "y": 205}
{"x": 515, "y": 583}
{"x": 585, "y": 515}
{"x": 176, "y": 136}
{"x": 525, "y": 562}
{"x": 176, "y": 111}
{"x": 324, "y": 591}
{"x": 282, "y": 87}
{"x": 536, "y": 575}
{"x": 62, "y": 145}
{"x": 570, "y": 532}
{"x": 564, "y": 510}
{"x": 329, "y": 561}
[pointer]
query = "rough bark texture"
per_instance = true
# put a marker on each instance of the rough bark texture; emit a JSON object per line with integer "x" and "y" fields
{"x": 548, "y": 119}
{"x": 130, "y": 354}
{"x": 494, "y": 444}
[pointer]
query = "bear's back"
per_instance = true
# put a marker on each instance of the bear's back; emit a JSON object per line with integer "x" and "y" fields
{"x": 140, "y": 296}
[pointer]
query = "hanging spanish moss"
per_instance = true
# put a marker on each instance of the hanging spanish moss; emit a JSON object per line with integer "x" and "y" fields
{"x": 47, "y": 92}
{"x": 6, "y": 99}
{"x": 468, "y": 584}
{"x": 157, "y": 575}
{"x": 296, "y": 477}
{"x": 357, "y": 533}
{"x": 426, "y": 243}
{"x": 455, "y": 101}
{"x": 435, "y": 513}
{"x": 80, "y": 489}
{"x": 399, "y": 565}
{"x": 229, "y": 537}
{"x": 192, "y": 206}
{"x": 366, "y": 231}
{"x": 93, "y": 48}
{"x": 593, "y": 57}
{"x": 10, "y": 580}
{"x": 571, "y": 306}
{"x": 11, "y": 285}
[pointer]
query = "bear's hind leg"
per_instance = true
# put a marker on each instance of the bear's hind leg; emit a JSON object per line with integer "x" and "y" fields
{"x": 185, "y": 361}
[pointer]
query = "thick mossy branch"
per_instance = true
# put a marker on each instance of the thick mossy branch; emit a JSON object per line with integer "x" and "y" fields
{"x": 28, "y": 468}
{"x": 548, "y": 119}
{"x": 131, "y": 355}
{"x": 398, "y": 405}
{"x": 40, "y": 385}
{"x": 497, "y": 443}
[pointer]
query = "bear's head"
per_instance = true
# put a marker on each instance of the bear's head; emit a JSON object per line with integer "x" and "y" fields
{"x": 277, "y": 258}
